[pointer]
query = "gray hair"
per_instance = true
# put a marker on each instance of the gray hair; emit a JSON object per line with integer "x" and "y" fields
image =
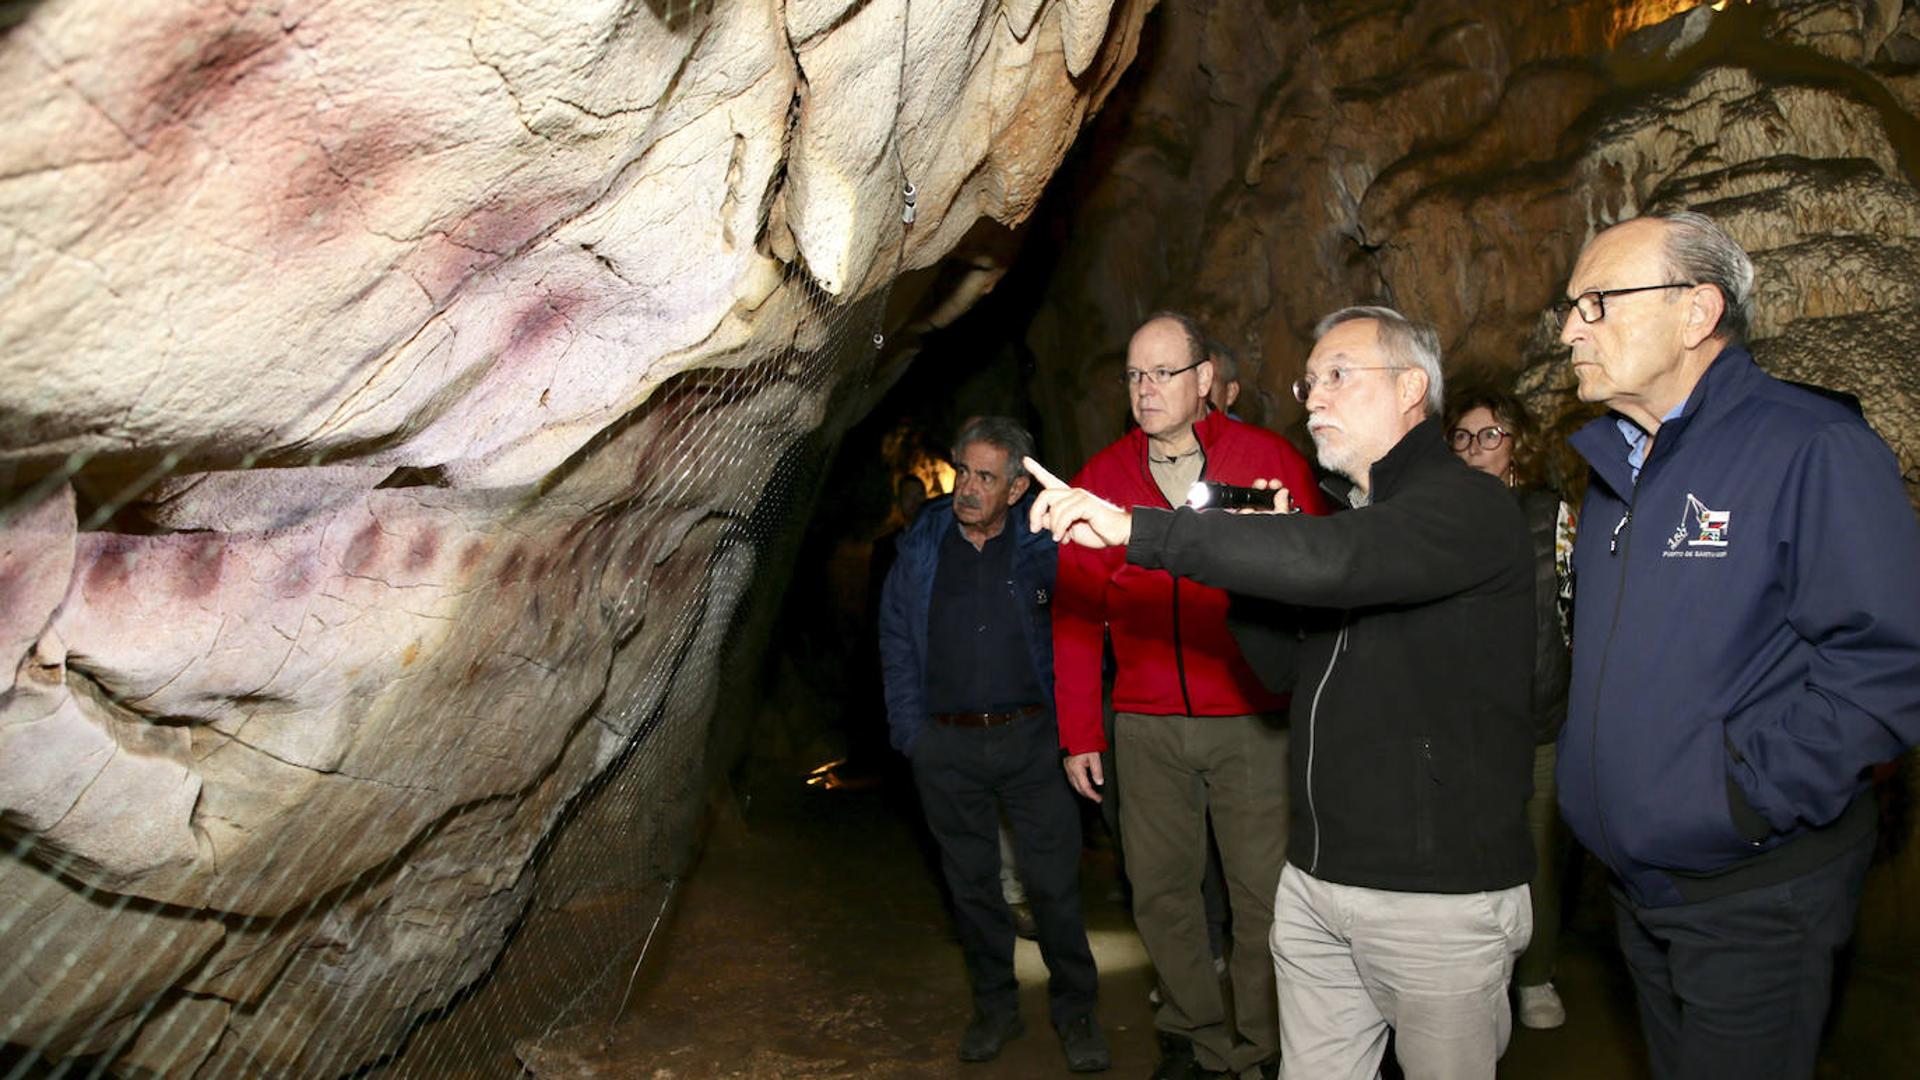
{"x": 1407, "y": 344}
{"x": 1698, "y": 250}
{"x": 997, "y": 431}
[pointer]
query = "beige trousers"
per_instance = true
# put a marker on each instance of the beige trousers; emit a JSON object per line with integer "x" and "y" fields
{"x": 1352, "y": 963}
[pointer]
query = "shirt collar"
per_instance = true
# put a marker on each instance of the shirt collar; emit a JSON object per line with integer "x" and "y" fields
{"x": 1637, "y": 437}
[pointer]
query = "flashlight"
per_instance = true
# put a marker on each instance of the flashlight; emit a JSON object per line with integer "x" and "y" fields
{"x": 1214, "y": 495}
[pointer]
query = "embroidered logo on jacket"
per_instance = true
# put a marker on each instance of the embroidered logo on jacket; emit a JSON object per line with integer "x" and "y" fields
{"x": 1699, "y": 528}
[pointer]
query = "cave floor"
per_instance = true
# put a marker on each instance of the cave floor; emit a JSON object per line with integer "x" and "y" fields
{"x": 810, "y": 942}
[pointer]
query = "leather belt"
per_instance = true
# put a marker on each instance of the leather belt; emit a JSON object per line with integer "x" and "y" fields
{"x": 983, "y": 719}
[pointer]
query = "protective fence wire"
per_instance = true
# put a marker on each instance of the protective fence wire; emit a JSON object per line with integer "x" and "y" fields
{"x": 411, "y": 876}
{"x": 647, "y": 730}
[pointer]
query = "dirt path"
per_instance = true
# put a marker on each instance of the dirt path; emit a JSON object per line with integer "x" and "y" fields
{"x": 811, "y": 943}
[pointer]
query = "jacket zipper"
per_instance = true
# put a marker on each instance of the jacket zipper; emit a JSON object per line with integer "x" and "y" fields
{"x": 1313, "y": 741}
{"x": 1622, "y": 545}
{"x": 1423, "y": 811}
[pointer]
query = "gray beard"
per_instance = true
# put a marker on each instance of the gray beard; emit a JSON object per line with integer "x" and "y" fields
{"x": 1334, "y": 460}
{"x": 1341, "y": 462}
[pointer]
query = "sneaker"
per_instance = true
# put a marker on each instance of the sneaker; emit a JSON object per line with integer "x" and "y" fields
{"x": 987, "y": 1035}
{"x": 1023, "y": 924}
{"x": 1085, "y": 1045}
{"x": 1540, "y": 1007}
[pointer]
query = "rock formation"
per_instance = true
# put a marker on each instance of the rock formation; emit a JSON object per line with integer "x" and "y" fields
{"x": 1264, "y": 164}
{"x": 391, "y": 394}
{"x": 1452, "y": 158}
{"x": 386, "y": 390}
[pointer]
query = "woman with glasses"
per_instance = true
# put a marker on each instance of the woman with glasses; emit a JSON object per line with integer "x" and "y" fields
{"x": 1491, "y": 430}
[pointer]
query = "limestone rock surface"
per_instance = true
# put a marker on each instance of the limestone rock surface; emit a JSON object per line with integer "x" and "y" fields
{"x": 1264, "y": 164}
{"x": 1275, "y": 162}
{"x": 387, "y": 391}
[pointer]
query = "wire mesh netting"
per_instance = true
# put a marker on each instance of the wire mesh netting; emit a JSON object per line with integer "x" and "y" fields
{"x": 364, "y": 688}
{"x": 329, "y": 820}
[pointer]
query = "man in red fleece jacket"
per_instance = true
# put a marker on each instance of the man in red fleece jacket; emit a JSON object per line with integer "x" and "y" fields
{"x": 1195, "y": 732}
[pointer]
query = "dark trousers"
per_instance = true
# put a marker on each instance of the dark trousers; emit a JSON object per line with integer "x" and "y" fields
{"x": 966, "y": 776}
{"x": 1739, "y": 985}
{"x": 1535, "y": 967}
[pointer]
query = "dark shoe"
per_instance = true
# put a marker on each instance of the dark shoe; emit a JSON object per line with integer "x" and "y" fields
{"x": 1177, "y": 1061}
{"x": 1023, "y": 923}
{"x": 1085, "y": 1045}
{"x": 1270, "y": 1068}
{"x": 987, "y": 1035}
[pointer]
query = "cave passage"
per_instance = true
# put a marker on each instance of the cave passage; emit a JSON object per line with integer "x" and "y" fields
{"x": 443, "y": 450}
{"x": 813, "y": 937}
{"x": 812, "y": 942}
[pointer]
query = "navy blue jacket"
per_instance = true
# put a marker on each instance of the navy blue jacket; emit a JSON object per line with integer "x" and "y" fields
{"x": 1746, "y": 638}
{"x": 907, "y": 597}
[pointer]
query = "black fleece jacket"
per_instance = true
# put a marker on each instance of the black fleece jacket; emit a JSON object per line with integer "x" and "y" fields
{"x": 1412, "y": 733}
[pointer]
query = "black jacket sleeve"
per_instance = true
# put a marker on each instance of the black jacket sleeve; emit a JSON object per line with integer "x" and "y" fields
{"x": 1428, "y": 541}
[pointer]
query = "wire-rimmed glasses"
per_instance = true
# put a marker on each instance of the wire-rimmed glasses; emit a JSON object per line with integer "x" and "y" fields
{"x": 1334, "y": 379}
{"x": 1158, "y": 376}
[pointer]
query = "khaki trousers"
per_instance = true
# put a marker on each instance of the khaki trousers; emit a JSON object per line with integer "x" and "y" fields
{"x": 1175, "y": 771}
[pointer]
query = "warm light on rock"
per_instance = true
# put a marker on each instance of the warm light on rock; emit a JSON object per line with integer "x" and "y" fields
{"x": 386, "y": 390}
{"x": 392, "y": 390}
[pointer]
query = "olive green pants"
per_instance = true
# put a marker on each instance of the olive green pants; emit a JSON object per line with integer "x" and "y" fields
{"x": 1175, "y": 771}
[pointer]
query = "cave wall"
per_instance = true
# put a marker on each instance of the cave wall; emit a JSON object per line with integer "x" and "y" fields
{"x": 1273, "y": 161}
{"x": 1266, "y": 162}
{"x": 387, "y": 393}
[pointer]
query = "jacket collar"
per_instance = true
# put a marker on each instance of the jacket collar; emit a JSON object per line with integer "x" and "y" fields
{"x": 1025, "y": 538}
{"x": 1421, "y": 444}
{"x": 929, "y": 524}
{"x": 1209, "y": 427}
{"x": 937, "y": 516}
{"x": 1727, "y": 381}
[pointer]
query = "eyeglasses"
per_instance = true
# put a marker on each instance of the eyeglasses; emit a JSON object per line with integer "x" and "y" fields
{"x": 1334, "y": 379}
{"x": 1488, "y": 437}
{"x": 1158, "y": 376}
{"x": 1592, "y": 304}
